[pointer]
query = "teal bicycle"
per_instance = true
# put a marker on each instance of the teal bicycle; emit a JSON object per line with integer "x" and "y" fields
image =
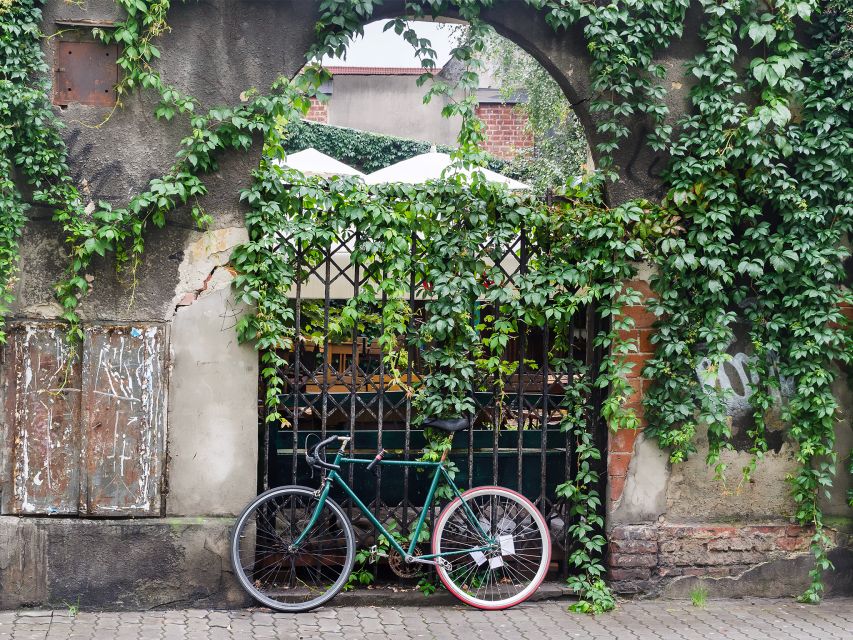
{"x": 293, "y": 548}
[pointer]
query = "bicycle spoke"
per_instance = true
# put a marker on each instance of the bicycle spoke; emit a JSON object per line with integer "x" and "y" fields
{"x": 285, "y": 576}
{"x": 504, "y": 572}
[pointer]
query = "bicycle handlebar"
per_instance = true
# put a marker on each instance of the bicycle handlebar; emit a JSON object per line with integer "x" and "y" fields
{"x": 372, "y": 466}
{"x": 314, "y": 458}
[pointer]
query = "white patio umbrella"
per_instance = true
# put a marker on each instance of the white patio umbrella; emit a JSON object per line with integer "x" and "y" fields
{"x": 429, "y": 166}
{"x": 316, "y": 163}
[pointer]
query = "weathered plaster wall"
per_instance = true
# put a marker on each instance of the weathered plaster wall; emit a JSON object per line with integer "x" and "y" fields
{"x": 836, "y": 507}
{"x": 213, "y": 411}
{"x": 117, "y": 564}
{"x": 694, "y": 495}
{"x": 217, "y": 49}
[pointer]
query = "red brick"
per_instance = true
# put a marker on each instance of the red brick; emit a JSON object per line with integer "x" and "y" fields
{"x": 633, "y": 559}
{"x": 701, "y": 532}
{"x": 634, "y": 573}
{"x": 793, "y": 544}
{"x": 643, "y": 318}
{"x": 773, "y": 530}
{"x": 718, "y": 531}
{"x": 630, "y": 334}
{"x": 617, "y": 464}
{"x": 318, "y": 112}
{"x": 638, "y": 360}
{"x": 730, "y": 544}
{"x": 635, "y": 532}
{"x": 187, "y": 300}
{"x": 622, "y": 441}
{"x": 615, "y": 487}
{"x": 640, "y": 286}
{"x": 620, "y": 533}
{"x": 645, "y": 340}
{"x": 633, "y": 546}
{"x": 504, "y": 130}
{"x": 635, "y": 399}
{"x": 798, "y": 530}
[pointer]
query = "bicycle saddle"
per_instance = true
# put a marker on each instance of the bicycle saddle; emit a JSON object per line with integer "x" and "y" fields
{"x": 448, "y": 424}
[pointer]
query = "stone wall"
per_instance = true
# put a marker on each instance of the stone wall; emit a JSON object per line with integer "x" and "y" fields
{"x": 670, "y": 559}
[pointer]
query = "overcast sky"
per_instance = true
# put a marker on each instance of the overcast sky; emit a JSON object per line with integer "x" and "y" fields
{"x": 378, "y": 49}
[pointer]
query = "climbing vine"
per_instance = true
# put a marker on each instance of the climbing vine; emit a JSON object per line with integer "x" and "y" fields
{"x": 764, "y": 190}
{"x": 450, "y": 237}
{"x": 31, "y": 150}
{"x": 759, "y": 180}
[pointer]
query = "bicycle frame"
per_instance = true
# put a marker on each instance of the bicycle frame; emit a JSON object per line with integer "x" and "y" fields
{"x": 334, "y": 477}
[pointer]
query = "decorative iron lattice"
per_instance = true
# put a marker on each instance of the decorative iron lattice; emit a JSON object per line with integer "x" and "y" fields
{"x": 343, "y": 387}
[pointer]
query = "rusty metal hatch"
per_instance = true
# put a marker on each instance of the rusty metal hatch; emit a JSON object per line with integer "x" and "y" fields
{"x": 86, "y": 73}
{"x": 83, "y": 435}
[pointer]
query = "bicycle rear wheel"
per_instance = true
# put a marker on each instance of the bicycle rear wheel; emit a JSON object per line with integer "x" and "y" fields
{"x": 283, "y": 578}
{"x": 515, "y": 566}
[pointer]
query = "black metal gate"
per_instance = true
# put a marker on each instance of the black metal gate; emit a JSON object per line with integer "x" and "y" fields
{"x": 339, "y": 385}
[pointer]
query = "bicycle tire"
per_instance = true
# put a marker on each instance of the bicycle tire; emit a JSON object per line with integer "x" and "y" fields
{"x": 507, "y": 575}
{"x": 283, "y": 579}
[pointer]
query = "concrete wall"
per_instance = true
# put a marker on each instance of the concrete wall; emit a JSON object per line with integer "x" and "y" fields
{"x": 213, "y": 409}
{"x": 215, "y": 50}
{"x": 392, "y": 105}
{"x": 116, "y": 564}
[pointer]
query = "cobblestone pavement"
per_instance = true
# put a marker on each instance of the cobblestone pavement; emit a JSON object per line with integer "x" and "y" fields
{"x": 731, "y": 619}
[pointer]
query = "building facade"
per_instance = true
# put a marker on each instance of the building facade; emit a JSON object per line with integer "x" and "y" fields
{"x": 124, "y": 461}
{"x": 388, "y": 100}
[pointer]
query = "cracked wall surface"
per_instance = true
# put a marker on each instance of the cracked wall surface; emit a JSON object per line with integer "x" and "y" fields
{"x": 215, "y": 50}
{"x": 213, "y": 415}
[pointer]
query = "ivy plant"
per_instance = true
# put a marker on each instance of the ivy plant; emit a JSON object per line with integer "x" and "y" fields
{"x": 752, "y": 227}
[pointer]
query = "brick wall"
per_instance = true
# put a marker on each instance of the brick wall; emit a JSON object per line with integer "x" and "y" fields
{"x": 318, "y": 112}
{"x": 621, "y": 443}
{"x": 505, "y": 130}
{"x": 644, "y": 556}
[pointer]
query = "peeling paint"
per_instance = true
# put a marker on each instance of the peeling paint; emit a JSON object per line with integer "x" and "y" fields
{"x": 203, "y": 267}
{"x": 44, "y": 403}
{"x": 124, "y": 387}
{"x": 88, "y": 437}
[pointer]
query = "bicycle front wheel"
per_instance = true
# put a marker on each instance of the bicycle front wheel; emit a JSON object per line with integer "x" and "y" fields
{"x": 275, "y": 573}
{"x": 511, "y": 570}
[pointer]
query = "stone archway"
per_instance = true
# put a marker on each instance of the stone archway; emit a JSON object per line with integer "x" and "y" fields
{"x": 217, "y": 49}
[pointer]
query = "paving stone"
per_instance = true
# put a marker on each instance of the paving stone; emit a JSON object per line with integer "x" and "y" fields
{"x": 719, "y": 620}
